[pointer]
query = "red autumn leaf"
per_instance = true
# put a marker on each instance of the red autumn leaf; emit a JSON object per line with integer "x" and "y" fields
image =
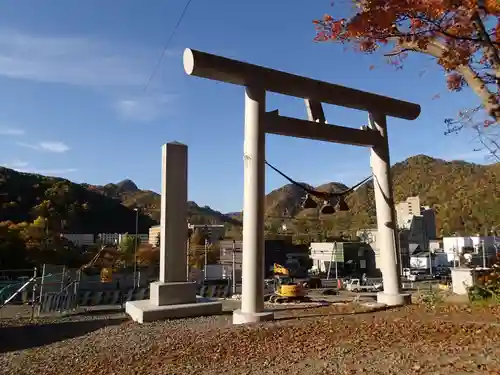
{"x": 447, "y": 30}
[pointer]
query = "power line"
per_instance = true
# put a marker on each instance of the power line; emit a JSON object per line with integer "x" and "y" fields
{"x": 167, "y": 45}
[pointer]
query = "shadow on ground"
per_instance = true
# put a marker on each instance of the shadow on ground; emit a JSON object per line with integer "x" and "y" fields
{"x": 98, "y": 312}
{"x": 308, "y": 313}
{"x": 35, "y": 335}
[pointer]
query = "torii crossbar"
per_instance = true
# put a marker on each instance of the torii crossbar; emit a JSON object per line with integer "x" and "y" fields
{"x": 257, "y": 80}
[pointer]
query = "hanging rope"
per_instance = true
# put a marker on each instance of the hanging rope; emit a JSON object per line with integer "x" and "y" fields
{"x": 316, "y": 193}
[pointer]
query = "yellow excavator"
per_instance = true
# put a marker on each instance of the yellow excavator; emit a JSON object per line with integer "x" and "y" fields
{"x": 285, "y": 289}
{"x": 104, "y": 261}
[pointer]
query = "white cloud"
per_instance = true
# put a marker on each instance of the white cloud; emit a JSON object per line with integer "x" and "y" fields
{"x": 11, "y": 131}
{"x": 146, "y": 108}
{"x": 51, "y": 172}
{"x": 57, "y": 147}
{"x": 47, "y": 172}
{"x": 15, "y": 164}
{"x": 81, "y": 61}
{"x": 24, "y": 167}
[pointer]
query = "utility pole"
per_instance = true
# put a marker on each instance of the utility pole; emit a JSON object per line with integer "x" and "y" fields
{"x": 135, "y": 245}
{"x": 398, "y": 233}
{"x": 430, "y": 262}
{"x": 484, "y": 253}
{"x": 188, "y": 247}
{"x": 234, "y": 268}
{"x": 484, "y": 247}
{"x": 205, "y": 266}
{"x": 332, "y": 257}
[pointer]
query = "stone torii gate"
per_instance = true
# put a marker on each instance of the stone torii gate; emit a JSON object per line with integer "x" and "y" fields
{"x": 257, "y": 80}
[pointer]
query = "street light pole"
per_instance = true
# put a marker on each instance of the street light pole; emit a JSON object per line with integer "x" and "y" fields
{"x": 135, "y": 245}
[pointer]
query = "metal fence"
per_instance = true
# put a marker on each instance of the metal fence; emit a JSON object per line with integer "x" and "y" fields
{"x": 59, "y": 289}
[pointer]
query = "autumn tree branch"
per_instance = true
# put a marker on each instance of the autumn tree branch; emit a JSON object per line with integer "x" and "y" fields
{"x": 435, "y": 48}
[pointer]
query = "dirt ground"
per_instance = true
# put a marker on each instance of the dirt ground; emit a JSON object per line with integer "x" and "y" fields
{"x": 418, "y": 339}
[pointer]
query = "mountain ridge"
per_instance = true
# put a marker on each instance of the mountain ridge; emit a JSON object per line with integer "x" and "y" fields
{"x": 458, "y": 191}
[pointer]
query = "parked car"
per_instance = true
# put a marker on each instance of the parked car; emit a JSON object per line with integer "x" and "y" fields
{"x": 355, "y": 285}
{"x": 418, "y": 275}
{"x": 442, "y": 272}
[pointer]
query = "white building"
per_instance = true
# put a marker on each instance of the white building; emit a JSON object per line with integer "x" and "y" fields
{"x": 422, "y": 260}
{"x": 154, "y": 235}
{"x": 324, "y": 253}
{"x": 108, "y": 238}
{"x": 370, "y": 237}
{"x": 456, "y": 246}
{"x": 80, "y": 239}
{"x": 116, "y": 238}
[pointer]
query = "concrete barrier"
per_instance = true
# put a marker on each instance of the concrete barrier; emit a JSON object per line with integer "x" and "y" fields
{"x": 215, "y": 291}
{"x": 60, "y": 302}
{"x": 57, "y": 302}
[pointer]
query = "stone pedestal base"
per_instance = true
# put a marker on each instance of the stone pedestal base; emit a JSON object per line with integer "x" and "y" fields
{"x": 144, "y": 311}
{"x": 161, "y": 294}
{"x": 170, "y": 301}
{"x": 240, "y": 317}
{"x": 394, "y": 299}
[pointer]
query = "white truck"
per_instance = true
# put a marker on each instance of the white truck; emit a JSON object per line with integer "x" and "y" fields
{"x": 355, "y": 285}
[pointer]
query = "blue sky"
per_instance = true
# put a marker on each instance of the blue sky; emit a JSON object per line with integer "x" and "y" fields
{"x": 72, "y": 87}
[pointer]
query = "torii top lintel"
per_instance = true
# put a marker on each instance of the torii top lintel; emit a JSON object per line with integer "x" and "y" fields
{"x": 202, "y": 64}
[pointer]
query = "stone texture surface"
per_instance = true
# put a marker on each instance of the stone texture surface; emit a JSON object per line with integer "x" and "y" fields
{"x": 172, "y": 293}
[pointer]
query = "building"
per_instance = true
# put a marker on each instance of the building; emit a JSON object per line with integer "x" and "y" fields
{"x": 154, "y": 235}
{"x": 423, "y": 259}
{"x": 294, "y": 257}
{"x": 116, "y": 238}
{"x": 419, "y": 233}
{"x": 343, "y": 258}
{"x": 416, "y": 231}
{"x": 216, "y": 232}
{"x": 80, "y": 239}
{"x": 471, "y": 247}
{"x": 143, "y": 238}
{"x": 369, "y": 236}
{"x": 436, "y": 245}
{"x": 227, "y": 252}
{"x": 407, "y": 209}
{"x": 419, "y": 220}
{"x": 108, "y": 238}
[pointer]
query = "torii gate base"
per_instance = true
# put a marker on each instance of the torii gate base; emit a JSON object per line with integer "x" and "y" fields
{"x": 172, "y": 296}
{"x": 257, "y": 80}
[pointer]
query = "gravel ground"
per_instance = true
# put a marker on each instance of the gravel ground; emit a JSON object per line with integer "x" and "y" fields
{"x": 326, "y": 340}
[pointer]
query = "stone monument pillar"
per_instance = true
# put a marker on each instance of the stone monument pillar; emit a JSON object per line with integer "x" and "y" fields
{"x": 172, "y": 296}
